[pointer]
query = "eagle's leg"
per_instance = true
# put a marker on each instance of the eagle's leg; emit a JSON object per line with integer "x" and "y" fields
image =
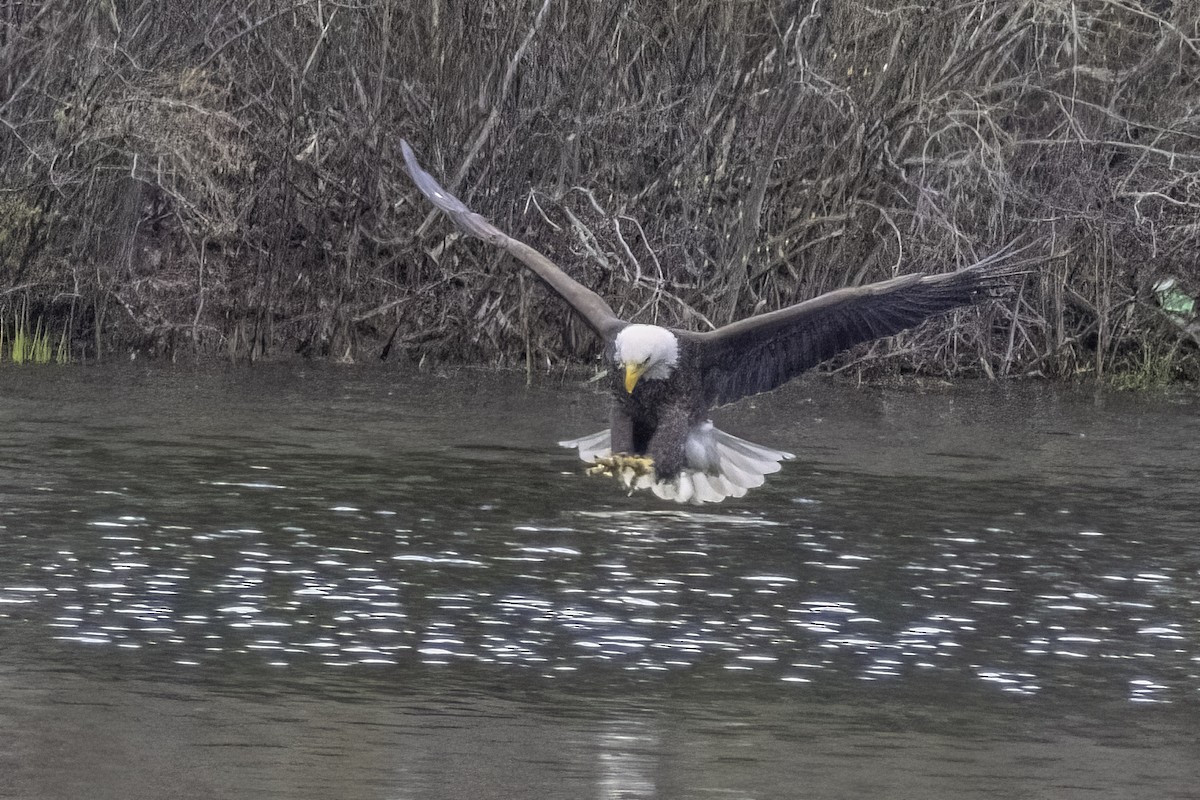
{"x": 624, "y": 464}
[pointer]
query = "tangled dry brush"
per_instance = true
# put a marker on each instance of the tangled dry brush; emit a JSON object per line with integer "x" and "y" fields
{"x": 224, "y": 177}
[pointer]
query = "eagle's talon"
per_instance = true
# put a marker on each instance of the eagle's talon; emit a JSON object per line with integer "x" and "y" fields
{"x": 623, "y": 466}
{"x": 598, "y": 468}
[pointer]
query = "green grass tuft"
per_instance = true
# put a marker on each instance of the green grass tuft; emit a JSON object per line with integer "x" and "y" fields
{"x": 27, "y": 346}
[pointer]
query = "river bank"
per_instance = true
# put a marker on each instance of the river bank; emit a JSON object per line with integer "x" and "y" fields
{"x": 227, "y": 181}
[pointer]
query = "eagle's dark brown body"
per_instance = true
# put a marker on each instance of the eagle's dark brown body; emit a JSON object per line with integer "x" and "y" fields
{"x": 654, "y": 419}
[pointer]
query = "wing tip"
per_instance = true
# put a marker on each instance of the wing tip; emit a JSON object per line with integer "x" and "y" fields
{"x": 410, "y": 159}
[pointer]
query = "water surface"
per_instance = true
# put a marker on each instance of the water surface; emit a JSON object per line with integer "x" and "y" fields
{"x": 363, "y": 582}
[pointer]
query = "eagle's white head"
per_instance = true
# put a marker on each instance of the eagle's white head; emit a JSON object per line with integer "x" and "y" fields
{"x": 645, "y": 351}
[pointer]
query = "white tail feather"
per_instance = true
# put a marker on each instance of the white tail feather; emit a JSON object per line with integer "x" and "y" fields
{"x": 719, "y": 465}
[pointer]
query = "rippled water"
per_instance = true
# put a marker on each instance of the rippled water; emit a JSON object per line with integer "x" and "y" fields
{"x": 362, "y": 582}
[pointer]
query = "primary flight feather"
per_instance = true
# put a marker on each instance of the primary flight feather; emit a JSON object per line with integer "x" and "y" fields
{"x": 665, "y": 380}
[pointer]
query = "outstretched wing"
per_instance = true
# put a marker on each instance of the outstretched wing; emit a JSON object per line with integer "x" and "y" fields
{"x": 589, "y": 305}
{"x": 761, "y": 353}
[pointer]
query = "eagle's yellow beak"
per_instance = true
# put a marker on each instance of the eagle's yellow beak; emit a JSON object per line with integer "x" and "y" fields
{"x": 632, "y": 373}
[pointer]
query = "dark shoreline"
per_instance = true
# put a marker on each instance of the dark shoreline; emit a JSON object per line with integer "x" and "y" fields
{"x": 228, "y": 182}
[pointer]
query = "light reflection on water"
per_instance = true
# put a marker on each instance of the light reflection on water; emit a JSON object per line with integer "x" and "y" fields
{"x": 643, "y": 591}
{"x": 350, "y": 525}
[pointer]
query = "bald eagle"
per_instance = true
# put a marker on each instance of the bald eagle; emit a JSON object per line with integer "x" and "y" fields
{"x": 665, "y": 380}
